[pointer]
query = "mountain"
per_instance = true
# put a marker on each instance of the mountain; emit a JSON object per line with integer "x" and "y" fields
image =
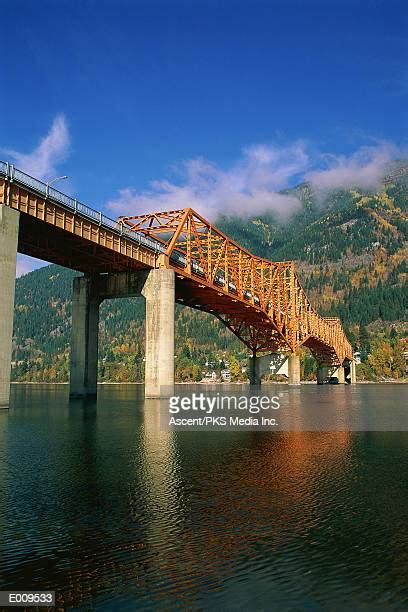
{"x": 350, "y": 249}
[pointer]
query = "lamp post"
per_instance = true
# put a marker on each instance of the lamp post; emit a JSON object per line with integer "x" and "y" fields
{"x": 49, "y": 183}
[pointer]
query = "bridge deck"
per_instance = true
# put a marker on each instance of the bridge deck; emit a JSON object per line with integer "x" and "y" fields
{"x": 62, "y": 230}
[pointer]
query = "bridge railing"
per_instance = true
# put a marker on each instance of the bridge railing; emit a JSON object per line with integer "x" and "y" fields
{"x": 10, "y": 172}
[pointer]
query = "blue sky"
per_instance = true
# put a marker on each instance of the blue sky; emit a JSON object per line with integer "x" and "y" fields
{"x": 217, "y": 104}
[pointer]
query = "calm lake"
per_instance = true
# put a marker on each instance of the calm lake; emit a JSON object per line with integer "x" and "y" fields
{"x": 100, "y": 505}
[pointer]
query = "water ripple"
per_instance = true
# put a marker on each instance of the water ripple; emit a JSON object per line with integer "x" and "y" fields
{"x": 99, "y": 505}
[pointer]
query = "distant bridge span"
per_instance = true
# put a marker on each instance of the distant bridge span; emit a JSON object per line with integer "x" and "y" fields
{"x": 260, "y": 301}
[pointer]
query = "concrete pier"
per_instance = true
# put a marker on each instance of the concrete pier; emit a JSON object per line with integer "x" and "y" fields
{"x": 159, "y": 292}
{"x": 254, "y": 370}
{"x": 9, "y": 224}
{"x": 84, "y": 341}
{"x": 341, "y": 375}
{"x": 158, "y": 288}
{"x": 322, "y": 374}
{"x": 273, "y": 363}
{"x": 353, "y": 376}
{"x": 294, "y": 369}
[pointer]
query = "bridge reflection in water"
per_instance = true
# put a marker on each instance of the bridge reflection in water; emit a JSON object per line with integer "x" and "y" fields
{"x": 166, "y": 257}
{"x": 100, "y": 505}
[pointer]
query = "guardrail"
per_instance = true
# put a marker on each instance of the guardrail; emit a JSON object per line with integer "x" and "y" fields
{"x": 13, "y": 174}
{"x": 22, "y": 178}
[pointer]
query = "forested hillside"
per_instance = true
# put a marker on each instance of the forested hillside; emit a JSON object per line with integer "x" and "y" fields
{"x": 350, "y": 249}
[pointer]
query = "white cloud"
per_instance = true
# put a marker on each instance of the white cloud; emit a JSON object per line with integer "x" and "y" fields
{"x": 249, "y": 187}
{"x": 52, "y": 150}
{"x": 41, "y": 163}
{"x": 364, "y": 168}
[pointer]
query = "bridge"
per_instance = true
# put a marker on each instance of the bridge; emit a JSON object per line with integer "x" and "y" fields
{"x": 166, "y": 257}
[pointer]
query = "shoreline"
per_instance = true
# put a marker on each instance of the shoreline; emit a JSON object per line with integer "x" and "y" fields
{"x": 403, "y": 381}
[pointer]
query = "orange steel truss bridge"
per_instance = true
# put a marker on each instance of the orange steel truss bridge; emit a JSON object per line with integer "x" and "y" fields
{"x": 260, "y": 301}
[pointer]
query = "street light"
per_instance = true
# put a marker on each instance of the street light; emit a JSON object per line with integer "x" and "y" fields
{"x": 59, "y": 178}
{"x": 49, "y": 183}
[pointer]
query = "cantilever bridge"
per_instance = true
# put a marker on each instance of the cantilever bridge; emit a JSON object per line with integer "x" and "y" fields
{"x": 261, "y": 301}
{"x": 171, "y": 256}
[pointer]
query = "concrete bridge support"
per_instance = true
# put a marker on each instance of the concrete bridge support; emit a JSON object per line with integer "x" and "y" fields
{"x": 322, "y": 374}
{"x": 341, "y": 376}
{"x": 265, "y": 364}
{"x": 349, "y": 368}
{"x": 159, "y": 291}
{"x": 84, "y": 340}
{"x": 294, "y": 369}
{"x": 276, "y": 363}
{"x": 9, "y": 224}
{"x": 158, "y": 288}
{"x": 344, "y": 373}
{"x": 353, "y": 377}
{"x": 254, "y": 370}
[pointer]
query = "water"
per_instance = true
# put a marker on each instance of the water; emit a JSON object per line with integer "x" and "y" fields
{"x": 101, "y": 506}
